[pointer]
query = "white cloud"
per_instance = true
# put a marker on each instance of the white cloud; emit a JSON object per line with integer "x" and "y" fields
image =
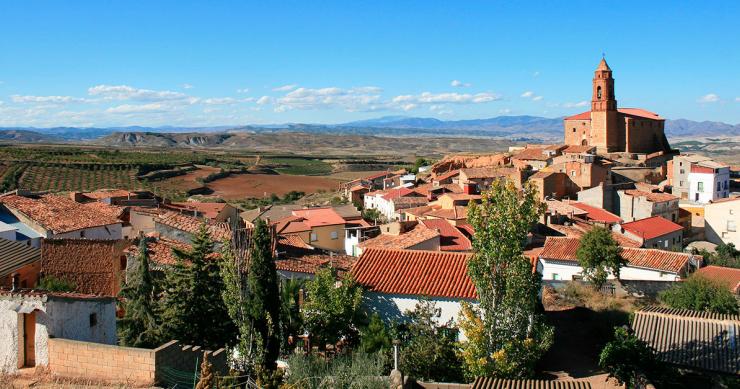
{"x": 125, "y": 92}
{"x": 46, "y": 99}
{"x": 504, "y": 110}
{"x": 459, "y": 84}
{"x": 142, "y": 108}
{"x": 709, "y": 98}
{"x": 187, "y": 86}
{"x": 353, "y": 99}
{"x": 583, "y": 103}
{"x": 220, "y": 101}
{"x": 285, "y": 88}
{"x": 242, "y": 90}
{"x": 530, "y": 95}
{"x": 536, "y": 74}
{"x": 737, "y": 98}
{"x": 264, "y": 100}
{"x": 449, "y": 97}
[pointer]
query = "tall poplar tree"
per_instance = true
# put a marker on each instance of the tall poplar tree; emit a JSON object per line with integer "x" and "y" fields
{"x": 139, "y": 326}
{"x": 514, "y": 335}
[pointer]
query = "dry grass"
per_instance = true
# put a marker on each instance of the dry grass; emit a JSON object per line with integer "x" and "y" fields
{"x": 43, "y": 379}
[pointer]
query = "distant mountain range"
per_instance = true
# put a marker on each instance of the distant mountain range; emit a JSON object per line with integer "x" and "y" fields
{"x": 516, "y": 128}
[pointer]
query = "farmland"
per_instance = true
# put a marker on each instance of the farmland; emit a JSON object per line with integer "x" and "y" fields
{"x": 241, "y": 186}
{"x": 78, "y": 177}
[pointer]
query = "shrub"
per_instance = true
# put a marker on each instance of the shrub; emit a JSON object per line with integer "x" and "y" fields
{"x": 55, "y": 284}
{"x": 700, "y": 294}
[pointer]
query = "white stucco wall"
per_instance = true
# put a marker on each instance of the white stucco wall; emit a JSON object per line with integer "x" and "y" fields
{"x": 561, "y": 271}
{"x": 60, "y": 318}
{"x": 393, "y": 306}
{"x": 710, "y": 181}
{"x": 721, "y": 222}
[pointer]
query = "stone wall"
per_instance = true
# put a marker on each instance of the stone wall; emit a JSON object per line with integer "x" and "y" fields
{"x": 132, "y": 366}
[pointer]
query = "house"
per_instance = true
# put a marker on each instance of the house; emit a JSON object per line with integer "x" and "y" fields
{"x": 29, "y": 318}
{"x": 726, "y": 276}
{"x": 20, "y": 264}
{"x": 477, "y": 180}
{"x": 698, "y": 341}
{"x": 583, "y": 173}
{"x": 550, "y": 184}
{"x": 183, "y": 228}
{"x": 217, "y": 212}
{"x": 404, "y": 236}
{"x": 678, "y": 173}
{"x": 596, "y": 216}
{"x": 721, "y": 219}
{"x": 356, "y": 193}
{"x": 396, "y": 280}
{"x": 117, "y": 197}
{"x": 505, "y": 383}
{"x": 450, "y": 237}
{"x": 653, "y": 232}
{"x": 95, "y": 267}
{"x": 383, "y": 201}
{"x": 51, "y": 216}
{"x": 709, "y": 181}
{"x": 306, "y": 266}
{"x": 536, "y": 158}
{"x": 272, "y": 212}
{"x": 322, "y": 228}
{"x": 637, "y": 204}
{"x": 558, "y": 262}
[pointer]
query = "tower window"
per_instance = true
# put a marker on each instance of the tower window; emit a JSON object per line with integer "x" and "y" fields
{"x": 598, "y": 92}
{"x": 574, "y": 130}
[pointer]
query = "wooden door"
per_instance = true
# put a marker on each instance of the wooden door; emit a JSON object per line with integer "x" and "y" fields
{"x": 29, "y": 339}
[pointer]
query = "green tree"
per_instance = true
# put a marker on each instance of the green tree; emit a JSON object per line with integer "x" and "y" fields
{"x": 331, "y": 308}
{"x": 194, "y": 310}
{"x": 599, "y": 254}
{"x": 375, "y": 337}
{"x": 263, "y": 302}
{"x": 725, "y": 255}
{"x": 700, "y": 294}
{"x": 139, "y": 326}
{"x": 372, "y": 215}
{"x": 514, "y": 334}
{"x": 429, "y": 350}
{"x": 290, "y": 312}
{"x": 628, "y": 358}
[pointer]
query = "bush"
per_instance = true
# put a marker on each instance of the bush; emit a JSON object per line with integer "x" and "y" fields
{"x": 54, "y": 284}
{"x": 626, "y": 358}
{"x": 700, "y": 294}
{"x": 359, "y": 370}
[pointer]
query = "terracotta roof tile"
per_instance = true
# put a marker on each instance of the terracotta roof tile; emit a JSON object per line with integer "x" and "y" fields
{"x": 93, "y": 265}
{"x": 207, "y": 209}
{"x": 459, "y": 212}
{"x": 564, "y": 249}
{"x": 655, "y": 197}
{"x": 581, "y": 116}
{"x": 218, "y": 231}
{"x": 392, "y": 194}
{"x": 415, "y": 272}
{"x": 597, "y": 214}
{"x": 451, "y": 239}
{"x": 40, "y": 293}
{"x": 292, "y": 240}
{"x": 532, "y": 154}
{"x": 58, "y": 214}
{"x": 578, "y": 149}
{"x": 727, "y": 276}
{"x": 310, "y": 264}
{"x": 488, "y": 172}
{"x": 315, "y": 217}
{"x": 651, "y": 227}
{"x": 107, "y": 193}
{"x": 418, "y": 234}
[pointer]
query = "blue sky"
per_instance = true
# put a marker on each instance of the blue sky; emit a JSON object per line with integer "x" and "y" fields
{"x": 183, "y": 63}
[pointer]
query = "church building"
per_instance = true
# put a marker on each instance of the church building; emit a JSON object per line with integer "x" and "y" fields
{"x": 611, "y": 129}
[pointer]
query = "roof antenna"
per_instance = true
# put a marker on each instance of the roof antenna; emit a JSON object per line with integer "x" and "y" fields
{"x": 603, "y": 55}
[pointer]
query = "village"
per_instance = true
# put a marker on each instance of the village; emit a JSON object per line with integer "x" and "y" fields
{"x": 611, "y": 257}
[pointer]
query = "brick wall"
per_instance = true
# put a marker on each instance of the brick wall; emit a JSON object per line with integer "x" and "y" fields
{"x": 95, "y": 361}
{"x": 133, "y": 366}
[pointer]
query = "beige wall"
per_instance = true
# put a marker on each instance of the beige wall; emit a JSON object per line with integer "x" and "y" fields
{"x": 718, "y": 217}
{"x": 324, "y": 237}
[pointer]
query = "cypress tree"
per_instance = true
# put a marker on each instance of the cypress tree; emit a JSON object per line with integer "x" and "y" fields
{"x": 139, "y": 326}
{"x": 263, "y": 303}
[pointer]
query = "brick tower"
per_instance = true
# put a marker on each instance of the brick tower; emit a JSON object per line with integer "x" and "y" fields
{"x": 605, "y": 131}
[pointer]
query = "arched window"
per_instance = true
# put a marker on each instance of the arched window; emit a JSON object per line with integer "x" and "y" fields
{"x": 598, "y": 92}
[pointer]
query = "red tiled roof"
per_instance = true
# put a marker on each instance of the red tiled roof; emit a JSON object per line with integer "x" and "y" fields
{"x": 418, "y": 234}
{"x": 107, "y": 193}
{"x": 218, "y": 231}
{"x": 467, "y": 228}
{"x": 398, "y": 192}
{"x": 358, "y": 188}
{"x": 160, "y": 251}
{"x": 207, "y": 209}
{"x": 581, "y": 116}
{"x": 564, "y": 249}
{"x": 293, "y": 240}
{"x": 457, "y": 213}
{"x": 451, "y": 239}
{"x": 112, "y": 211}
{"x": 450, "y": 174}
{"x": 626, "y": 111}
{"x": 651, "y": 227}
{"x": 726, "y": 276}
{"x": 58, "y": 214}
{"x": 532, "y": 154}
{"x": 654, "y": 197}
{"x": 410, "y": 202}
{"x": 315, "y": 217}
{"x": 488, "y": 172}
{"x": 578, "y": 149}
{"x": 378, "y": 175}
{"x": 415, "y": 272}
{"x": 310, "y": 264}
{"x": 597, "y": 214}
{"x": 578, "y": 229}
{"x": 40, "y": 293}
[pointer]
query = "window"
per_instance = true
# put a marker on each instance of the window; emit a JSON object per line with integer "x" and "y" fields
{"x": 680, "y": 183}
{"x": 574, "y": 130}
{"x": 82, "y": 234}
{"x": 666, "y": 243}
{"x": 700, "y": 187}
{"x": 731, "y": 227}
{"x": 334, "y": 235}
{"x": 555, "y": 276}
{"x": 93, "y": 319}
{"x": 598, "y": 92}
{"x": 314, "y": 237}
{"x": 572, "y": 173}
{"x": 681, "y": 171}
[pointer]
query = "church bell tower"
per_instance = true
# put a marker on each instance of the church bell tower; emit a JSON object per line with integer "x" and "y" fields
{"x": 603, "y": 85}
{"x": 605, "y": 128}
